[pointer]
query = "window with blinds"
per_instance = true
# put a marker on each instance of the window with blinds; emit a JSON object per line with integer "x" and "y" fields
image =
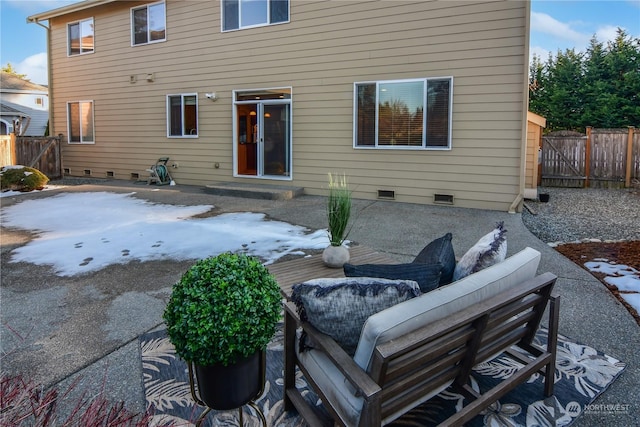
{"x": 403, "y": 114}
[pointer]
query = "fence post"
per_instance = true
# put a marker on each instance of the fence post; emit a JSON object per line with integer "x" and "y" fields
{"x": 587, "y": 158}
{"x": 627, "y": 179}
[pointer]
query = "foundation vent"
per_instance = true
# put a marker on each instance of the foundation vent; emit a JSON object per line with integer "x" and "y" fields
{"x": 135, "y": 175}
{"x": 87, "y": 172}
{"x": 110, "y": 174}
{"x": 443, "y": 199}
{"x": 386, "y": 194}
{"x": 67, "y": 171}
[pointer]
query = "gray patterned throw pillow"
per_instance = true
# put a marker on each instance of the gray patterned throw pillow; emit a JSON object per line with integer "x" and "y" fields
{"x": 490, "y": 249}
{"x": 339, "y": 307}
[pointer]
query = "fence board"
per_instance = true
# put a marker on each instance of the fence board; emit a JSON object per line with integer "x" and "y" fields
{"x": 6, "y": 150}
{"x": 565, "y": 163}
{"x": 42, "y": 153}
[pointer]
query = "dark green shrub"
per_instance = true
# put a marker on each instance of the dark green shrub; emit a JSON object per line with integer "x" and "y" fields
{"x": 22, "y": 178}
{"x": 224, "y": 308}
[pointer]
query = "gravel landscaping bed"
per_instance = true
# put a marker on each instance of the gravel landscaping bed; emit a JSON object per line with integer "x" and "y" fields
{"x": 591, "y": 224}
{"x": 576, "y": 214}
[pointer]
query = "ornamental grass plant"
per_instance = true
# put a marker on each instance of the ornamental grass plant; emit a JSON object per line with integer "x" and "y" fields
{"x": 338, "y": 209}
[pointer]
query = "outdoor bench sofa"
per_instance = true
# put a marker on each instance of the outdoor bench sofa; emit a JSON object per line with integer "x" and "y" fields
{"x": 414, "y": 350}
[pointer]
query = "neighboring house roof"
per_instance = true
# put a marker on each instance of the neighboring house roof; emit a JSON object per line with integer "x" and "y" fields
{"x": 10, "y": 83}
{"x": 37, "y": 119}
{"x": 6, "y": 109}
{"x": 75, "y": 7}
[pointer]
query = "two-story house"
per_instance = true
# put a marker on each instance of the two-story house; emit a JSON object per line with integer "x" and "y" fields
{"x": 417, "y": 101}
{"x": 24, "y": 106}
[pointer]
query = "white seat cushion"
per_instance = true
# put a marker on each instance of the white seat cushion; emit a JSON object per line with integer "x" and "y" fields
{"x": 439, "y": 303}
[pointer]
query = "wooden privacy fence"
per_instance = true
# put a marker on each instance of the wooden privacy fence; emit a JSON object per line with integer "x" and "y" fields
{"x": 608, "y": 158}
{"x": 39, "y": 152}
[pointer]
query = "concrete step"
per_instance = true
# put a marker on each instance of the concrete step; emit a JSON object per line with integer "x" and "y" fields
{"x": 254, "y": 191}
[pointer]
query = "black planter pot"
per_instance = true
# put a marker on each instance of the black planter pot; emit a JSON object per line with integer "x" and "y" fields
{"x": 544, "y": 197}
{"x": 229, "y": 387}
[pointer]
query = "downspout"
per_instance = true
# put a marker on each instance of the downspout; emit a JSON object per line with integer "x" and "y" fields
{"x": 517, "y": 202}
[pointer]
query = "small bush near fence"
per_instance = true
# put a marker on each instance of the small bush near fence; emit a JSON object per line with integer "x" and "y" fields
{"x": 21, "y": 178}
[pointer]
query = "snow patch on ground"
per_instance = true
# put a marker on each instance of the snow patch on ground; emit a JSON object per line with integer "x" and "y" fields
{"x": 85, "y": 232}
{"x": 623, "y": 277}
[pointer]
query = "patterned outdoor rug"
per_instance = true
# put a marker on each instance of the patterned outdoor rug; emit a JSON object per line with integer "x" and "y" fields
{"x": 582, "y": 373}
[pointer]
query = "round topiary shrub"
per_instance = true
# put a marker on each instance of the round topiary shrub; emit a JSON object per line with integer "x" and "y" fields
{"x": 223, "y": 309}
{"x": 21, "y": 178}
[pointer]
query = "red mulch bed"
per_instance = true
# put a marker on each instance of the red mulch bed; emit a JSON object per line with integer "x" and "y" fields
{"x": 627, "y": 253}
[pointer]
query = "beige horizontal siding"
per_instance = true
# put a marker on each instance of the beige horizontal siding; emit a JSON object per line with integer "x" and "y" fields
{"x": 325, "y": 48}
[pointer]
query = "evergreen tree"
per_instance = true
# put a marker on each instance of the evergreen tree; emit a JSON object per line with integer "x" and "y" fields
{"x": 599, "y": 88}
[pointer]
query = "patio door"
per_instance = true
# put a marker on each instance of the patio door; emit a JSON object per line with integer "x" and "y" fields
{"x": 263, "y": 135}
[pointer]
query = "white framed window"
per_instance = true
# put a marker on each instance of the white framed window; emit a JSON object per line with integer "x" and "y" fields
{"x": 80, "y": 37}
{"x": 182, "y": 115}
{"x": 5, "y": 127}
{"x": 80, "y": 123}
{"x": 148, "y": 24}
{"x": 401, "y": 114}
{"x": 237, "y": 14}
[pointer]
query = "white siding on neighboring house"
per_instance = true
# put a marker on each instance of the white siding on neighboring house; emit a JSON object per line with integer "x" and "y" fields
{"x": 320, "y": 54}
{"x": 23, "y": 100}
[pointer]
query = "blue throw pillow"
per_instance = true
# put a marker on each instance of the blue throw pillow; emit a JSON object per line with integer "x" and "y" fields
{"x": 427, "y": 276}
{"x": 439, "y": 251}
{"x": 339, "y": 307}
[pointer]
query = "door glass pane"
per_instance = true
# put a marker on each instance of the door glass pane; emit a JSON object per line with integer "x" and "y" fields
{"x": 438, "y": 96}
{"x": 74, "y": 39}
{"x": 366, "y": 115}
{"x": 247, "y": 151}
{"x": 156, "y": 22}
{"x": 86, "y": 111}
{"x": 140, "y": 26}
{"x": 400, "y": 109}
{"x": 276, "y": 140}
{"x": 253, "y": 12}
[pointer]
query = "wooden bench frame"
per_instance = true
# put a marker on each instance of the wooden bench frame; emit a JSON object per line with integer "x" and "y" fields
{"x": 407, "y": 368}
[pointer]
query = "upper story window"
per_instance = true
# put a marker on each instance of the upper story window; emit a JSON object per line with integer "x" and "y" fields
{"x": 403, "y": 114}
{"x": 148, "y": 24}
{"x": 80, "y": 122}
{"x": 80, "y": 37}
{"x": 182, "y": 115}
{"x": 238, "y": 14}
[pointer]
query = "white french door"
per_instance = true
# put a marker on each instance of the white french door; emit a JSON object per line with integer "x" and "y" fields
{"x": 262, "y": 142}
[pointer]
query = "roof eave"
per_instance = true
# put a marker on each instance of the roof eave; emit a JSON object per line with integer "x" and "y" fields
{"x": 76, "y": 7}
